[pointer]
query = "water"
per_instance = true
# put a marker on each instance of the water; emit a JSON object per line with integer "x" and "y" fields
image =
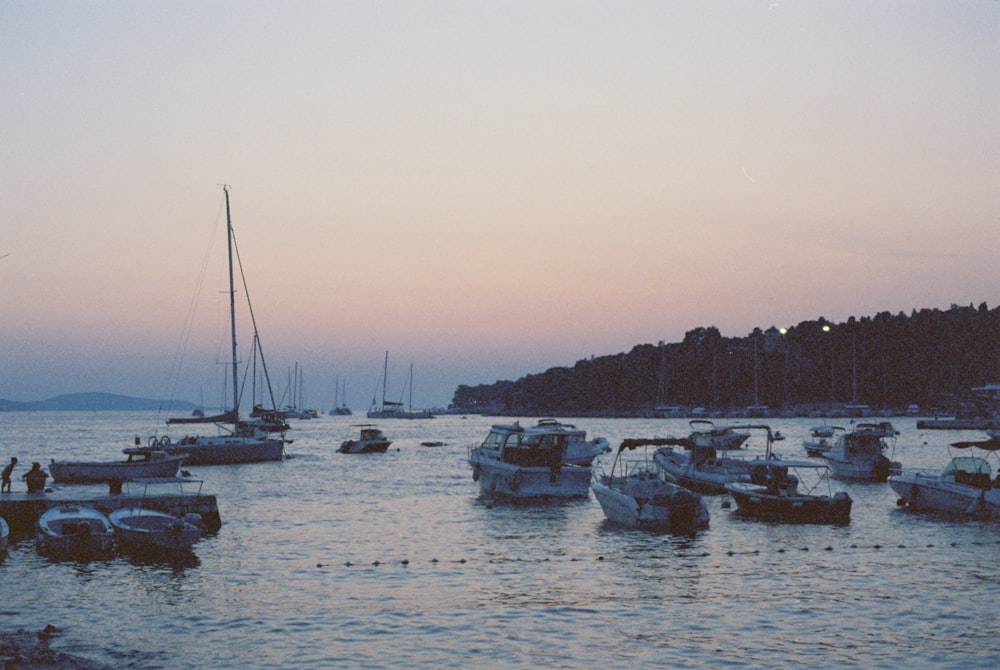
{"x": 392, "y": 560}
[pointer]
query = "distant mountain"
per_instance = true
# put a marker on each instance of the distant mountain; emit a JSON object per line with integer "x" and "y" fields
{"x": 95, "y": 402}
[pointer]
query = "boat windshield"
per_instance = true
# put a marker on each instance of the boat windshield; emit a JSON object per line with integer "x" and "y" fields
{"x": 971, "y": 464}
{"x": 545, "y": 441}
{"x": 493, "y": 440}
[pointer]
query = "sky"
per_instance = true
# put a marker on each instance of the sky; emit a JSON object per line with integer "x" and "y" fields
{"x": 483, "y": 189}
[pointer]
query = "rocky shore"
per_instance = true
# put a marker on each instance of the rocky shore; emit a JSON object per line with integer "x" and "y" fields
{"x": 28, "y": 649}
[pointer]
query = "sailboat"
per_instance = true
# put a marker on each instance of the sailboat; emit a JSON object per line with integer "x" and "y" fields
{"x": 244, "y": 441}
{"x": 394, "y": 410}
{"x": 297, "y": 410}
{"x": 341, "y": 408}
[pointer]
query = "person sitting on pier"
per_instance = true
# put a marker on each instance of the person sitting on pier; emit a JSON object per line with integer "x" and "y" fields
{"x": 5, "y": 485}
{"x": 36, "y": 478}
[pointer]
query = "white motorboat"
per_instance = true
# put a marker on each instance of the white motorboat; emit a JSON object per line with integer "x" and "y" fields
{"x": 633, "y": 494}
{"x": 519, "y": 463}
{"x": 705, "y": 433}
{"x": 74, "y": 531}
{"x": 140, "y": 462}
{"x": 859, "y": 455}
{"x": 245, "y": 441}
{"x": 964, "y": 486}
{"x": 700, "y": 467}
{"x": 821, "y": 439}
{"x": 579, "y": 450}
{"x": 143, "y": 529}
{"x": 370, "y": 441}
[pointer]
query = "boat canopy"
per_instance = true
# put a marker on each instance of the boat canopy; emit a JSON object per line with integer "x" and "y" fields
{"x": 775, "y": 462}
{"x": 634, "y": 442}
{"x": 985, "y": 445}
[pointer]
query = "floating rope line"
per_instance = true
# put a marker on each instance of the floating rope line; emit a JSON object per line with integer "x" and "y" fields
{"x": 575, "y": 559}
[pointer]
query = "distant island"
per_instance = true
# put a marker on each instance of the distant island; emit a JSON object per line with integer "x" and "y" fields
{"x": 95, "y": 402}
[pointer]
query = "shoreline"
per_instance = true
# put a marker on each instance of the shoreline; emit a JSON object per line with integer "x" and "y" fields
{"x": 28, "y": 649}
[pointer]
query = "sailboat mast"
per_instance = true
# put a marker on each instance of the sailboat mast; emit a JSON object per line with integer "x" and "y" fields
{"x": 385, "y": 377}
{"x": 232, "y": 307}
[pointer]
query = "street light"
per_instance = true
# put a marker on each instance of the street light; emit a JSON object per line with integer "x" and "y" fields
{"x": 784, "y": 342}
{"x": 826, "y": 329}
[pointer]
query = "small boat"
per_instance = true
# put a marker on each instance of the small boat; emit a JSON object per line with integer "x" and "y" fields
{"x": 74, "y": 531}
{"x": 395, "y": 410}
{"x": 964, "y": 486}
{"x": 705, "y": 433}
{"x": 4, "y": 534}
{"x": 700, "y": 467}
{"x": 371, "y": 441}
{"x": 579, "y": 450}
{"x": 633, "y": 494}
{"x": 143, "y": 529}
{"x": 341, "y": 408}
{"x": 773, "y": 492}
{"x": 141, "y": 462}
{"x": 859, "y": 455}
{"x": 703, "y": 467}
{"x": 527, "y": 463}
{"x": 267, "y": 420}
{"x": 821, "y": 439}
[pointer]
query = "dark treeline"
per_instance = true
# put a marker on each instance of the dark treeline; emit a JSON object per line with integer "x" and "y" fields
{"x": 931, "y": 357}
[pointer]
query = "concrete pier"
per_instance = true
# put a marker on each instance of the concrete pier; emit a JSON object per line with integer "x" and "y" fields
{"x": 21, "y": 510}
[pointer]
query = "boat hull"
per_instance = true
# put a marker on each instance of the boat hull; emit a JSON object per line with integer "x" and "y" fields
{"x": 227, "y": 450}
{"x": 66, "y": 472}
{"x": 932, "y": 493}
{"x": 525, "y": 482}
{"x": 649, "y": 503}
{"x": 364, "y": 446}
{"x": 147, "y": 530}
{"x": 755, "y": 501}
{"x": 74, "y": 531}
{"x": 865, "y": 469}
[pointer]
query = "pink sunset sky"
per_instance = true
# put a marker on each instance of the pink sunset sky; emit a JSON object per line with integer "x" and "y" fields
{"x": 484, "y": 189}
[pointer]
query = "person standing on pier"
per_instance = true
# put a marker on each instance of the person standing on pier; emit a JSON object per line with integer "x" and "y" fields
{"x": 36, "y": 478}
{"x": 5, "y": 485}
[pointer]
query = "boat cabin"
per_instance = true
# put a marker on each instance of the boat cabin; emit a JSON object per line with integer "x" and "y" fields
{"x": 372, "y": 434}
{"x": 523, "y": 448}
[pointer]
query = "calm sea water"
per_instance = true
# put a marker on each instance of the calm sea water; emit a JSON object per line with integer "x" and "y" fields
{"x": 392, "y": 560}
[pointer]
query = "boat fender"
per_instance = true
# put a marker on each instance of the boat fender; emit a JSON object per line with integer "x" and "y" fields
{"x": 475, "y": 474}
{"x": 165, "y": 441}
{"x": 152, "y": 441}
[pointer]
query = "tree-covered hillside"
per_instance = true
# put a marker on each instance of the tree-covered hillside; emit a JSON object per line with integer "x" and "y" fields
{"x": 931, "y": 357}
